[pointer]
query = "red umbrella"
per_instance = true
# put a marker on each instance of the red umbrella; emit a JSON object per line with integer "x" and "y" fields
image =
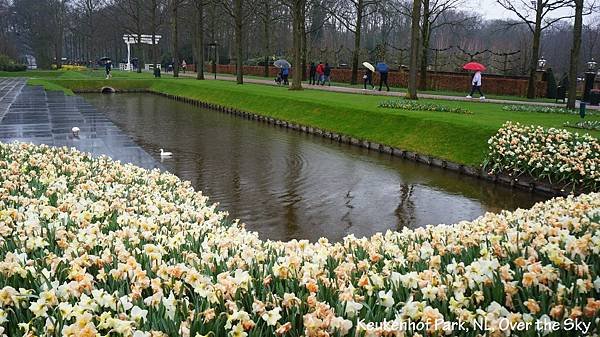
{"x": 474, "y": 66}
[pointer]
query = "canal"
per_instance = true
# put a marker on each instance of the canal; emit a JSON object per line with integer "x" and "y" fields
{"x": 285, "y": 184}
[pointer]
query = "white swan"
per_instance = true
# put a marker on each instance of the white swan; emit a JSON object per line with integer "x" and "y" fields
{"x": 165, "y": 154}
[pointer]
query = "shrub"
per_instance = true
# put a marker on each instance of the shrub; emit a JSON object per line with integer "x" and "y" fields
{"x": 8, "y": 64}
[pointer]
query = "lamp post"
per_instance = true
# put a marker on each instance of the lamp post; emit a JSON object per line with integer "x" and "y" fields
{"x": 541, "y": 64}
{"x": 590, "y": 76}
{"x": 214, "y": 45}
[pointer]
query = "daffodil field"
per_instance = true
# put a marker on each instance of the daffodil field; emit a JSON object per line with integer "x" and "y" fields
{"x": 556, "y": 155}
{"x": 91, "y": 247}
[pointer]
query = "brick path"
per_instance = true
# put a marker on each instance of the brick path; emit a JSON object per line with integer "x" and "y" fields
{"x": 30, "y": 114}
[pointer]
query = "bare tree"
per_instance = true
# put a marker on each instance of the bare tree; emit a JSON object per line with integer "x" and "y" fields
{"x": 434, "y": 17}
{"x": 298, "y": 10}
{"x": 199, "y": 37}
{"x": 351, "y": 14}
{"x": 175, "y": 35}
{"x": 575, "y": 54}
{"x": 537, "y": 22}
{"x": 414, "y": 49}
{"x": 239, "y": 11}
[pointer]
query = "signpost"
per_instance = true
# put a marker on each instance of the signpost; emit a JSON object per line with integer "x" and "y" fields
{"x": 133, "y": 39}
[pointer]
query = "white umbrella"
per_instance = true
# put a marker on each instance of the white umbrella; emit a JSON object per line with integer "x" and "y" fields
{"x": 369, "y": 65}
{"x": 282, "y": 64}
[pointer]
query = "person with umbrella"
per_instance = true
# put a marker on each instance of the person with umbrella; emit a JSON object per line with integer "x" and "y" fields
{"x": 285, "y": 74}
{"x": 368, "y": 76}
{"x": 383, "y": 70}
{"x": 476, "y": 80}
{"x": 107, "y": 68}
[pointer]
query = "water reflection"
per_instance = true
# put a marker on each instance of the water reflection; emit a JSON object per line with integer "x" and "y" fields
{"x": 286, "y": 185}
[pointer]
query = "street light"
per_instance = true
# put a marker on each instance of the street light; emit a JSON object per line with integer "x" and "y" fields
{"x": 541, "y": 63}
{"x": 590, "y": 76}
{"x": 592, "y": 65}
{"x": 214, "y": 45}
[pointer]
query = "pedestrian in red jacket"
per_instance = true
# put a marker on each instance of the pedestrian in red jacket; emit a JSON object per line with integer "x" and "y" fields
{"x": 321, "y": 73}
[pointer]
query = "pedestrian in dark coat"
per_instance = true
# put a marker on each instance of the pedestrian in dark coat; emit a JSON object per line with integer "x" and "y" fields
{"x": 368, "y": 78}
{"x": 327, "y": 74}
{"x": 312, "y": 74}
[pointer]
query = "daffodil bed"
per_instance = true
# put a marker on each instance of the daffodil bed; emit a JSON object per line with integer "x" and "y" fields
{"x": 564, "y": 158}
{"x": 91, "y": 247}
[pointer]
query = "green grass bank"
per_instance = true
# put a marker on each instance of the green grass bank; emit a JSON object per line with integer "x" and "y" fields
{"x": 455, "y": 137}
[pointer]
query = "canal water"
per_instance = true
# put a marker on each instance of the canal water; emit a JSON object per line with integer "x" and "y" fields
{"x": 289, "y": 185}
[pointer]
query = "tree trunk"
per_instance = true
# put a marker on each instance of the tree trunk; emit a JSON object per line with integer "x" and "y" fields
{"x": 297, "y": 22}
{"x": 414, "y": 50}
{"x": 304, "y": 42}
{"x": 575, "y": 51}
{"x": 140, "y": 47}
{"x": 267, "y": 32}
{"x": 357, "y": 32}
{"x": 535, "y": 51}
{"x": 239, "y": 47}
{"x": 155, "y": 56}
{"x": 60, "y": 13}
{"x": 175, "y": 37}
{"x": 425, "y": 35}
{"x": 199, "y": 39}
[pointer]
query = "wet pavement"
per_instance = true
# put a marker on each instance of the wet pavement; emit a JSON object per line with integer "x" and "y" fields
{"x": 30, "y": 114}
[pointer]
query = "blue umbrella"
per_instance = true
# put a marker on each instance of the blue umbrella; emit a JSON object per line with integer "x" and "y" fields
{"x": 382, "y": 67}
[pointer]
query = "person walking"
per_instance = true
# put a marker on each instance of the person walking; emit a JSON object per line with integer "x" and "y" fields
{"x": 383, "y": 76}
{"x": 368, "y": 78}
{"x": 476, "y": 86}
{"x": 108, "y": 68}
{"x": 320, "y": 73}
{"x": 327, "y": 74}
{"x": 183, "y": 66}
{"x": 312, "y": 73}
{"x": 285, "y": 73}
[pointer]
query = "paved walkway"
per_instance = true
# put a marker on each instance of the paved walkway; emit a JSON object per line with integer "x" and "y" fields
{"x": 36, "y": 116}
{"x": 224, "y": 77}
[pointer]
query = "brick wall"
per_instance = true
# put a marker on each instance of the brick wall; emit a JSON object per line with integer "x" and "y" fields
{"x": 492, "y": 84}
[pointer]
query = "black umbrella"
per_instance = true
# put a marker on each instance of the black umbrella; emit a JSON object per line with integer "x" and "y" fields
{"x": 105, "y": 58}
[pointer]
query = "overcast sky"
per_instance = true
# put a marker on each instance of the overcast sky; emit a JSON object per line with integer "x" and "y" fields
{"x": 491, "y": 10}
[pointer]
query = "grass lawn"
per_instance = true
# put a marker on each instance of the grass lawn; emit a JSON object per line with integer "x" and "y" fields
{"x": 455, "y": 137}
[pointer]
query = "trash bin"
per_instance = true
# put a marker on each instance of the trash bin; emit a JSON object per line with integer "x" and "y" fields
{"x": 582, "y": 109}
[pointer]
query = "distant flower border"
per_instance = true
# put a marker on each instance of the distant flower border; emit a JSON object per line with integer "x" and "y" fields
{"x": 542, "y": 109}
{"x": 419, "y": 106}
{"x": 586, "y": 125}
{"x": 557, "y": 155}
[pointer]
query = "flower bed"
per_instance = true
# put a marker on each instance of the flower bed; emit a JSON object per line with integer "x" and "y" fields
{"x": 556, "y": 155}
{"x": 586, "y": 125}
{"x": 416, "y": 106}
{"x": 89, "y": 246}
{"x": 542, "y": 109}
